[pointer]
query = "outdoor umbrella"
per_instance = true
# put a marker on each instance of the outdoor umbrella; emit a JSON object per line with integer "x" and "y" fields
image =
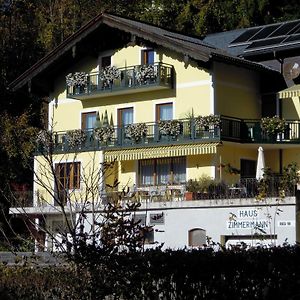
{"x": 260, "y": 164}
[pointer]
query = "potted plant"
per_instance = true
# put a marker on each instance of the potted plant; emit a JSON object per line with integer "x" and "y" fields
{"x": 146, "y": 74}
{"x": 170, "y": 128}
{"x": 273, "y": 126}
{"x": 192, "y": 188}
{"x": 207, "y": 125}
{"x": 75, "y": 138}
{"x": 205, "y": 122}
{"x": 136, "y": 132}
{"x": 104, "y": 134}
{"x": 108, "y": 75}
{"x": 204, "y": 183}
{"x": 78, "y": 81}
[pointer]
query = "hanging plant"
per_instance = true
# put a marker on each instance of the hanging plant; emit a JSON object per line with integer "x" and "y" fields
{"x": 75, "y": 137}
{"x": 207, "y": 121}
{"x": 170, "y": 127}
{"x": 136, "y": 132}
{"x": 108, "y": 74}
{"x": 145, "y": 73}
{"x": 104, "y": 134}
{"x": 273, "y": 125}
{"x": 77, "y": 79}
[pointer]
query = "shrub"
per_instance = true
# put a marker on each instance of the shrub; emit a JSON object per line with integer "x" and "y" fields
{"x": 238, "y": 274}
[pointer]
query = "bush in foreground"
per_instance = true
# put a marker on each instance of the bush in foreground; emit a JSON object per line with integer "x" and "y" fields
{"x": 272, "y": 273}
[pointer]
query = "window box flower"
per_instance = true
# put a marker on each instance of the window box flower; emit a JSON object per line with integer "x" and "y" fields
{"x": 205, "y": 122}
{"x": 104, "y": 134}
{"x": 75, "y": 138}
{"x": 146, "y": 74}
{"x": 78, "y": 81}
{"x": 273, "y": 125}
{"x": 136, "y": 132}
{"x": 170, "y": 128}
{"x": 108, "y": 75}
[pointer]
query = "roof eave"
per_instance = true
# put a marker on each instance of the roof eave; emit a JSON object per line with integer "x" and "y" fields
{"x": 158, "y": 39}
{"x": 84, "y": 31}
{"x": 243, "y": 63}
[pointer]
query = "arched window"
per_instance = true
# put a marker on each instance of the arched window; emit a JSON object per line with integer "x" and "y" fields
{"x": 197, "y": 237}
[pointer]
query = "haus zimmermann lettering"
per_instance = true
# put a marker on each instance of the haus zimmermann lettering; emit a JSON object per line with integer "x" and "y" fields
{"x": 248, "y": 224}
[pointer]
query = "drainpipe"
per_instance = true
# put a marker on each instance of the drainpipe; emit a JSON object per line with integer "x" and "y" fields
{"x": 279, "y": 106}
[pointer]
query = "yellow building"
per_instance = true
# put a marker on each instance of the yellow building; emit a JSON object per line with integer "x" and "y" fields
{"x": 156, "y": 109}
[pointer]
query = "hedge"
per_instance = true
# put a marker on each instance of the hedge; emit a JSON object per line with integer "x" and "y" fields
{"x": 262, "y": 273}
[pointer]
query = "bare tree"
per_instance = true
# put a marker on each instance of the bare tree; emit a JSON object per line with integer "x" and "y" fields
{"x": 74, "y": 190}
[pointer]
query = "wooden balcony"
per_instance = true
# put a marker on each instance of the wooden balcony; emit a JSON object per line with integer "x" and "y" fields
{"x": 122, "y": 81}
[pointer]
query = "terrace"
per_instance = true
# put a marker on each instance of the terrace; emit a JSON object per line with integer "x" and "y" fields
{"x": 244, "y": 192}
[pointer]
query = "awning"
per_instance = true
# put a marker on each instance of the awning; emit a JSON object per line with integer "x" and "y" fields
{"x": 293, "y": 91}
{"x": 156, "y": 152}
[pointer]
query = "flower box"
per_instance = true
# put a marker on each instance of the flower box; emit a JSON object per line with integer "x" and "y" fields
{"x": 104, "y": 134}
{"x": 75, "y": 138}
{"x": 273, "y": 126}
{"x": 171, "y": 128}
{"x": 136, "y": 132}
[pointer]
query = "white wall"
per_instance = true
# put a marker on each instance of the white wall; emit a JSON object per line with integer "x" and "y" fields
{"x": 218, "y": 219}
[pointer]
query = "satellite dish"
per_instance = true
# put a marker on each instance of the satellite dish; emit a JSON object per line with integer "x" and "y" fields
{"x": 291, "y": 70}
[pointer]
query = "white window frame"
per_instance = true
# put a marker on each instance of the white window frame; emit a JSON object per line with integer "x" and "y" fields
{"x": 80, "y": 179}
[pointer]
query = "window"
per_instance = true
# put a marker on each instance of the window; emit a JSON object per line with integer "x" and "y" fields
{"x": 125, "y": 116}
{"x": 88, "y": 120}
{"x": 147, "y": 56}
{"x": 248, "y": 168}
{"x": 68, "y": 176}
{"x": 162, "y": 171}
{"x": 164, "y": 111}
{"x": 197, "y": 237}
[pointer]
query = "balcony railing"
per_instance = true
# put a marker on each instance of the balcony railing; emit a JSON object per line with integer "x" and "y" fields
{"x": 245, "y": 188}
{"x": 250, "y": 131}
{"x": 123, "y": 79}
{"x": 187, "y": 131}
{"x": 119, "y": 136}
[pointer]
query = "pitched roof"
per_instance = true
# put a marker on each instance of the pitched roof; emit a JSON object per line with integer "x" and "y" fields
{"x": 259, "y": 40}
{"x": 193, "y": 47}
